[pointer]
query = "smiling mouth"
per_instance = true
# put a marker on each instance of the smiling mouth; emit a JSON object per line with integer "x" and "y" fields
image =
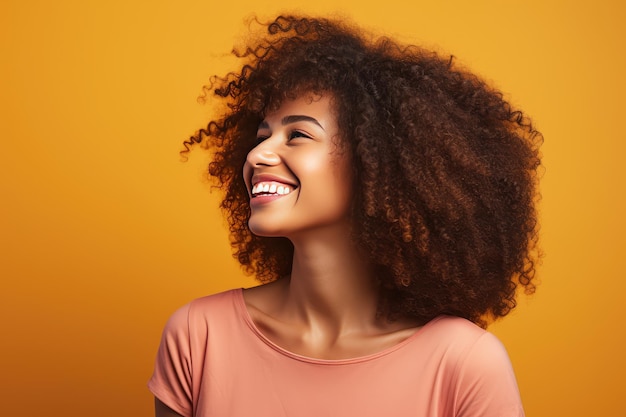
{"x": 271, "y": 188}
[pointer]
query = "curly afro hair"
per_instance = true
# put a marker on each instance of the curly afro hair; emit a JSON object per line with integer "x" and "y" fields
{"x": 445, "y": 169}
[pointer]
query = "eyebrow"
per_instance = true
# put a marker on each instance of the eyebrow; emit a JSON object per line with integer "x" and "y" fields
{"x": 292, "y": 119}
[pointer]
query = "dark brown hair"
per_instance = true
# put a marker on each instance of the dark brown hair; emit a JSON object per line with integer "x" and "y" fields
{"x": 445, "y": 169}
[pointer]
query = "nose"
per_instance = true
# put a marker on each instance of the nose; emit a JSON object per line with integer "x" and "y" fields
{"x": 263, "y": 155}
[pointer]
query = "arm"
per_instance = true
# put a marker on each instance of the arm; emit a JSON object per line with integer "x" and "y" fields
{"x": 171, "y": 380}
{"x": 162, "y": 410}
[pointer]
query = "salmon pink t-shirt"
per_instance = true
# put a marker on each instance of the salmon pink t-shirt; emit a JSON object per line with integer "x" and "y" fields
{"x": 214, "y": 362}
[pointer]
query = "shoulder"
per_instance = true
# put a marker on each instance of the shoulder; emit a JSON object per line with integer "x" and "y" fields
{"x": 454, "y": 332}
{"x": 211, "y": 308}
{"x": 214, "y": 302}
{"x": 480, "y": 372}
{"x": 465, "y": 342}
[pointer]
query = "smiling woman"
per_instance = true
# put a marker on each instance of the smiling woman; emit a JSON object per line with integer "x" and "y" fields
{"x": 298, "y": 153}
{"x": 386, "y": 203}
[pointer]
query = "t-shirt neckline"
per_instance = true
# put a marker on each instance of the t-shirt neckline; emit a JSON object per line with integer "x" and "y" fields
{"x": 243, "y": 313}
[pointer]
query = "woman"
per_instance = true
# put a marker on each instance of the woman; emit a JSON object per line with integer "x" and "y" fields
{"x": 385, "y": 199}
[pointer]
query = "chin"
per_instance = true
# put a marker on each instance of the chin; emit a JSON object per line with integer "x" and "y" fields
{"x": 264, "y": 230}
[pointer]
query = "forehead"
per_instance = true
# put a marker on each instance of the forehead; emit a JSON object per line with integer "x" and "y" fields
{"x": 313, "y": 103}
{"x": 317, "y": 109}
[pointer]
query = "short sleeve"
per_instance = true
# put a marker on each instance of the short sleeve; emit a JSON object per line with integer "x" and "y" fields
{"x": 171, "y": 381}
{"x": 485, "y": 383}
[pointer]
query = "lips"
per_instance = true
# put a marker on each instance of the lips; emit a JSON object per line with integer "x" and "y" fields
{"x": 270, "y": 185}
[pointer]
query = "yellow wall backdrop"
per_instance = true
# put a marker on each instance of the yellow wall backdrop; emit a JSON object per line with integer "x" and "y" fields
{"x": 104, "y": 232}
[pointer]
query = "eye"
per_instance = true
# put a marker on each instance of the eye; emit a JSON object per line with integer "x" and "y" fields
{"x": 260, "y": 138}
{"x": 298, "y": 134}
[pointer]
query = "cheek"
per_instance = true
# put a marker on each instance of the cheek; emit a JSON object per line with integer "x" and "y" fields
{"x": 329, "y": 182}
{"x": 341, "y": 168}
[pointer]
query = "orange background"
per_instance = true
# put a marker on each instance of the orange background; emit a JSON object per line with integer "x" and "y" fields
{"x": 104, "y": 232}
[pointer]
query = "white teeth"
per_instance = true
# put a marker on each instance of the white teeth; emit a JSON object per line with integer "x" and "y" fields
{"x": 270, "y": 188}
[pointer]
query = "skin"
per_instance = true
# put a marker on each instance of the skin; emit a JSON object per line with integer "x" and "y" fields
{"x": 298, "y": 150}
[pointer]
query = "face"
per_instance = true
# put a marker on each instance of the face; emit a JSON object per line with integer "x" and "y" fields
{"x": 298, "y": 176}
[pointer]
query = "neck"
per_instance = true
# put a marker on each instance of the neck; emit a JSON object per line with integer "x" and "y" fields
{"x": 331, "y": 286}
